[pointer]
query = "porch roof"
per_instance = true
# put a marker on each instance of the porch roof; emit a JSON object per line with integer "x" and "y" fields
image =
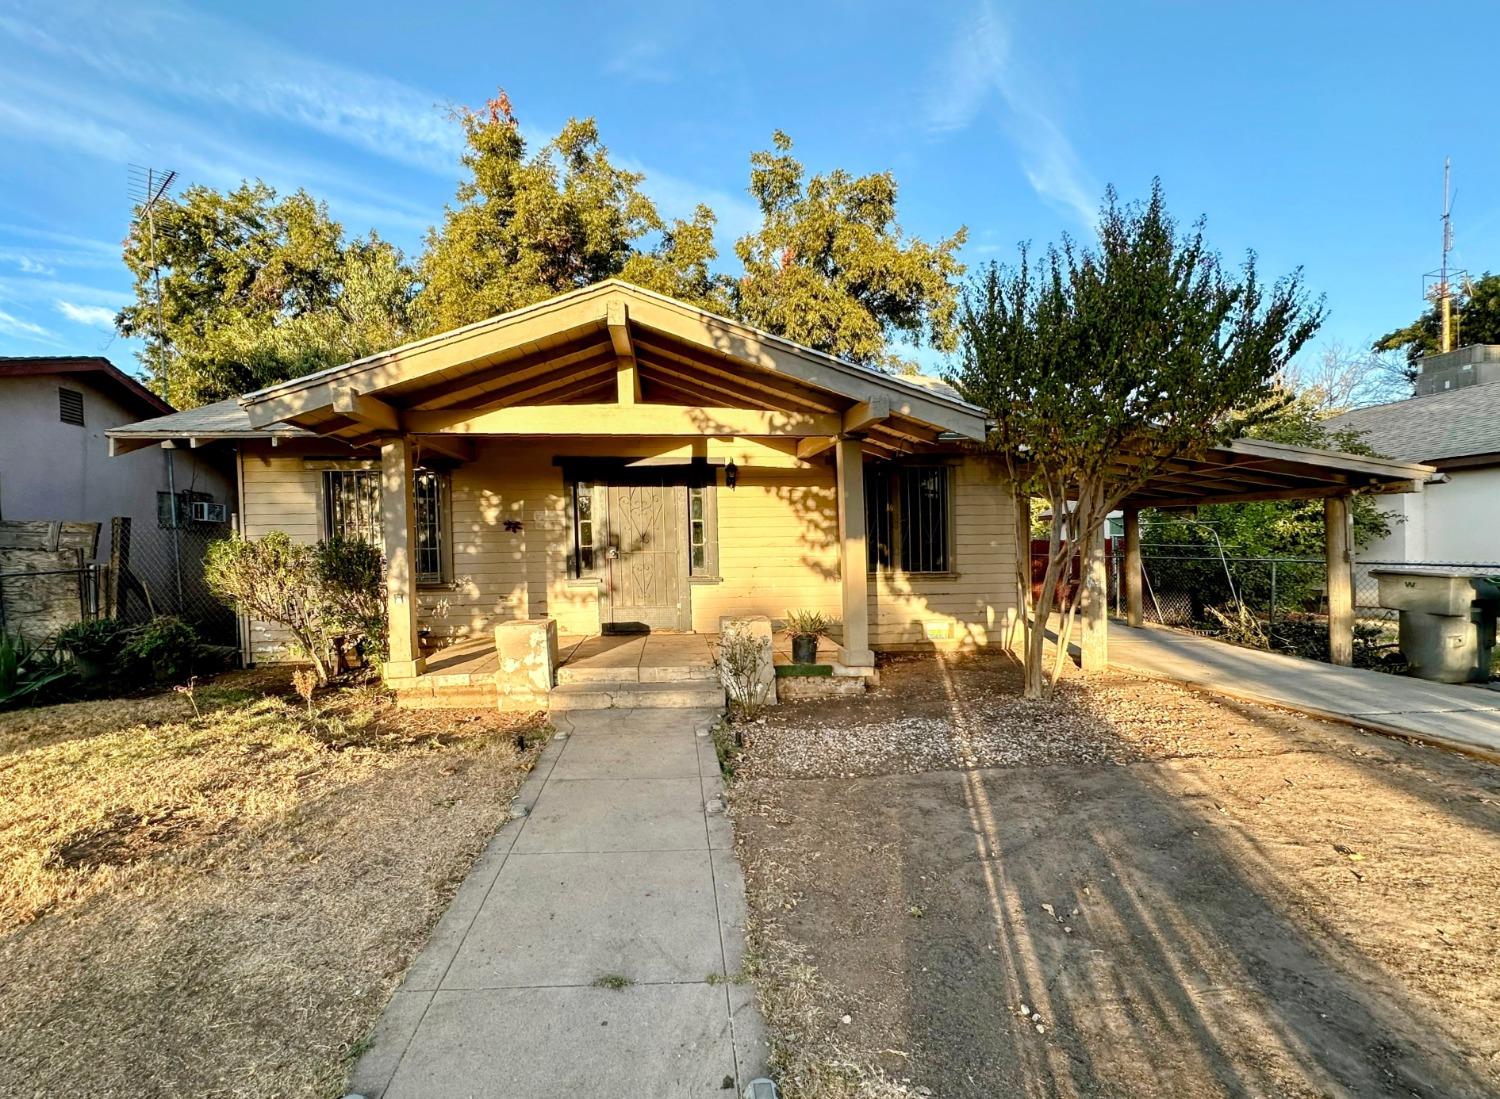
{"x": 1246, "y": 470}
{"x": 571, "y": 365}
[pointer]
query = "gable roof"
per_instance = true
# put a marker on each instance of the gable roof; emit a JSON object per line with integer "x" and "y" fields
{"x": 1455, "y": 424}
{"x": 565, "y": 350}
{"x": 102, "y": 373}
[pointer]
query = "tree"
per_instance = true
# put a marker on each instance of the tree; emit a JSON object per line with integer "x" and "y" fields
{"x": 256, "y": 289}
{"x": 831, "y": 268}
{"x": 525, "y": 228}
{"x": 1103, "y": 363}
{"x": 1340, "y": 378}
{"x": 1477, "y": 312}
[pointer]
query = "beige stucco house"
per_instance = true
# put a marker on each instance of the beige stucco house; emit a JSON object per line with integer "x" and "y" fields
{"x": 614, "y": 460}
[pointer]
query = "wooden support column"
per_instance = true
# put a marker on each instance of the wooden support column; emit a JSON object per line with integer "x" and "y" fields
{"x": 1337, "y": 547}
{"x": 1132, "y": 576}
{"x": 1093, "y": 608}
{"x": 854, "y": 562}
{"x": 397, "y": 523}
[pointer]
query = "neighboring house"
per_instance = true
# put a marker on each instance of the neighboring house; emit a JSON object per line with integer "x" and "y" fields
{"x": 615, "y": 459}
{"x": 1452, "y": 424}
{"x": 56, "y": 465}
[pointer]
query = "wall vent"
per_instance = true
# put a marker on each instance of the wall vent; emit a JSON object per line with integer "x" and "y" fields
{"x": 70, "y": 406}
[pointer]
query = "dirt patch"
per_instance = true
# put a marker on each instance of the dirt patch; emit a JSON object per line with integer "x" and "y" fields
{"x": 1147, "y": 892}
{"x": 221, "y": 906}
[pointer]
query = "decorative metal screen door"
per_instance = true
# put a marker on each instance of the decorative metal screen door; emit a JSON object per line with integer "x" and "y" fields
{"x": 646, "y": 562}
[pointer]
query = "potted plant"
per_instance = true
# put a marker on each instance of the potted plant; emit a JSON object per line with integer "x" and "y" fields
{"x": 806, "y": 627}
{"x": 94, "y": 646}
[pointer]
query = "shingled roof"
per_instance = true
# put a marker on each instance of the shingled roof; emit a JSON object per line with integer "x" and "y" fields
{"x": 1458, "y": 426}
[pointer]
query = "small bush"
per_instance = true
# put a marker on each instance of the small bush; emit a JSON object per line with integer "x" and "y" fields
{"x": 740, "y": 656}
{"x": 29, "y": 674}
{"x": 164, "y": 650}
{"x": 97, "y": 641}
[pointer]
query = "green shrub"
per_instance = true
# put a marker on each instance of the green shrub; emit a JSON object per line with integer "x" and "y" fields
{"x": 29, "y": 674}
{"x": 318, "y": 593}
{"x": 164, "y": 650}
{"x": 97, "y": 641}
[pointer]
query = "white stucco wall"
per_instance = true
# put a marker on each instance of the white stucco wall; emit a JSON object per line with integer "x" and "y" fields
{"x": 52, "y": 470}
{"x": 1458, "y": 521}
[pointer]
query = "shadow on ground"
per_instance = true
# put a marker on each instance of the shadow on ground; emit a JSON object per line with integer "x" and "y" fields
{"x": 1271, "y": 906}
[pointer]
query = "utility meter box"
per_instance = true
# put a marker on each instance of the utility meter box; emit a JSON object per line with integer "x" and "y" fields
{"x": 1447, "y": 621}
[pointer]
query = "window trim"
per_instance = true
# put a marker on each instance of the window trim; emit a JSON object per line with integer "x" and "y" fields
{"x": 891, "y": 473}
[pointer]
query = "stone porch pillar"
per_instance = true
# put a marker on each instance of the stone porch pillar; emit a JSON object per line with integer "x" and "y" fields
{"x": 397, "y": 524}
{"x": 854, "y": 562}
{"x": 1338, "y": 544}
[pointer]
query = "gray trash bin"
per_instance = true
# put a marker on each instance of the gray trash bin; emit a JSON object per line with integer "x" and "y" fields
{"x": 1447, "y": 621}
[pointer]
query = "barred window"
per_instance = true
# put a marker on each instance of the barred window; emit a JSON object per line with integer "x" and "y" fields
{"x": 908, "y": 518}
{"x": 431, "y": 498}
{"x": 585, "y": 555}
{"x": 351, "y": 509}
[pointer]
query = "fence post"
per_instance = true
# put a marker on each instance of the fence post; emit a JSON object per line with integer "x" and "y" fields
{"x": 1271, "y": 615}
{"x": 119, "y": 561}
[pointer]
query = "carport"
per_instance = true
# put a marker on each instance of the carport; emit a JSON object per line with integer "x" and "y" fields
{"x": 1244, "y": 471}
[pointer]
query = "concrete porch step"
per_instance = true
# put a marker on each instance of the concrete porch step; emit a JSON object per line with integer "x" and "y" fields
{"x": 606, "y": 675}
{"x": 690, "y": 695}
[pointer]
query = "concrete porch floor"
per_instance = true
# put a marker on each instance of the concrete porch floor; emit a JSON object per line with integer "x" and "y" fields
{"x": 474, "y": 660}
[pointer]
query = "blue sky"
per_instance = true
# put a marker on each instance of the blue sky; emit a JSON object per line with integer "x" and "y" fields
{"x": 1311, "y": 132}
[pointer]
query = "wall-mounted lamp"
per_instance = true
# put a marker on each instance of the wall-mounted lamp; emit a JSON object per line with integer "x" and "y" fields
{"x": 731, "y": 474}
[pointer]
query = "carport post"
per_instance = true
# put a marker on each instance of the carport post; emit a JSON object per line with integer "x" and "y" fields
{"x": 397, "y": 524}
{"x": 1337, "y": 542}
{"x": 1093, "y": 642}
{"x": 854, "y": 563}
{"x": 1131, "y": 576}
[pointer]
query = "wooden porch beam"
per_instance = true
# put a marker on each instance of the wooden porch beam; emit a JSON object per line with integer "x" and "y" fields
{"x": 369, "y": 412}
{"x": 614, "y": 419}
{"x": 627, "y": 371}
{"x": 818, "y": 402}
{"x": 460, "y": 450}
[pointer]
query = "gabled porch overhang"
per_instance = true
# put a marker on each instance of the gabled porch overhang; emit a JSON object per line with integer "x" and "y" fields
{"x": 616, "y": 362}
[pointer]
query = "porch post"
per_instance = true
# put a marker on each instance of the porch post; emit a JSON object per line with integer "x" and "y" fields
{"x": 1093, "y": 644}
{"x": 1337, "y": 545}
{"x": 1131, "y": 575}
{"x": 397, "y": 510}
{"x": 854, "y": 563}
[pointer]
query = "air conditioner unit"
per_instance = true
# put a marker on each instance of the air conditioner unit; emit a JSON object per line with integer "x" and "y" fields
{"x": 206, "y": 512}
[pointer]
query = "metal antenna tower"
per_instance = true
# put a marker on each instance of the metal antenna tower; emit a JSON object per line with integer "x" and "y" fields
{"x": 1438, "y": 286}
{"x": 147, "y": 188}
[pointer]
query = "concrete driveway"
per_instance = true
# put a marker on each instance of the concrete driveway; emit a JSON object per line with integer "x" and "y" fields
{"x": 588, "y": 951}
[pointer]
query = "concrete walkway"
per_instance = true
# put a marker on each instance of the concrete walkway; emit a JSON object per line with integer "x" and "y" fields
{"x": 1463, "y": 717}
{"x": 621, "y": 871}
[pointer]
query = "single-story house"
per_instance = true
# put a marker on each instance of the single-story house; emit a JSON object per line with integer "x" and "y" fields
{"x": 56, "y": 467}
{"x": 615, "y": 460}
{"x": 1453, "y": 425}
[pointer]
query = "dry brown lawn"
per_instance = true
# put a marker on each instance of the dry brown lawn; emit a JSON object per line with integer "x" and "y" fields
{"x": 1140, "y": 891}
{"x": 219, "y": 905}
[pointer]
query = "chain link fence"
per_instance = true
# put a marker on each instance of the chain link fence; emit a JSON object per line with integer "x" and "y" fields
{"x": 160, "y": 571}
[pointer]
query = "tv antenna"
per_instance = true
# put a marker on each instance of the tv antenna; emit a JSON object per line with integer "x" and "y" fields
{"x": 147, "y": 188}
{"x": 1438, "y": 285}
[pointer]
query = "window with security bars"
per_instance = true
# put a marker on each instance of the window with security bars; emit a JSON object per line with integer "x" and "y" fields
{"x": 908, "y": 516}
{"x": 70, "y": 406}
{"x": 351, "y": 509}
{"x": 703, "y": 534}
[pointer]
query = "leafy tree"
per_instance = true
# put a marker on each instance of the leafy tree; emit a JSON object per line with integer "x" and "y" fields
{"x": 1477, "y": 310}
{"x": 1103, "y": 363}
{"x": 256, "y": 289}
{"x": 831, "y": 268}
{"x": 525, "y": 228}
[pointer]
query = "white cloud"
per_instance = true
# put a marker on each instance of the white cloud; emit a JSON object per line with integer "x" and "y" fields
{"x": 95, "y": 316}
{"x": 177, "y": 52}
{"x": 642, "y": 62}
{"x": 12, "y": 325}
{"x": 981, "y": 68}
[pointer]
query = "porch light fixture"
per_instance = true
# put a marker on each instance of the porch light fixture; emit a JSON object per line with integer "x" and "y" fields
{"x": 731, "y": 474}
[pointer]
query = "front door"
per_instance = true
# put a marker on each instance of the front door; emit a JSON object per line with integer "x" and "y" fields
{"x": 645, "y": 564}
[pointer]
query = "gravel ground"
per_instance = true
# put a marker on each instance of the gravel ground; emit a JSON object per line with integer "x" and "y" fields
{"x": 1142, "y": 891}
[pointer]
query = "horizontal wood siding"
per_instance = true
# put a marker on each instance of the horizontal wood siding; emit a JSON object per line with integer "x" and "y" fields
{"x": 279, "y": 494}
{"x": 976, "y": 605}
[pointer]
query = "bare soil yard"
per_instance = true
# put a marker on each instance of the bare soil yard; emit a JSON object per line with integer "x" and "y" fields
{"x": 220, "y": 905}
{"x": 1144, "y": 892}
